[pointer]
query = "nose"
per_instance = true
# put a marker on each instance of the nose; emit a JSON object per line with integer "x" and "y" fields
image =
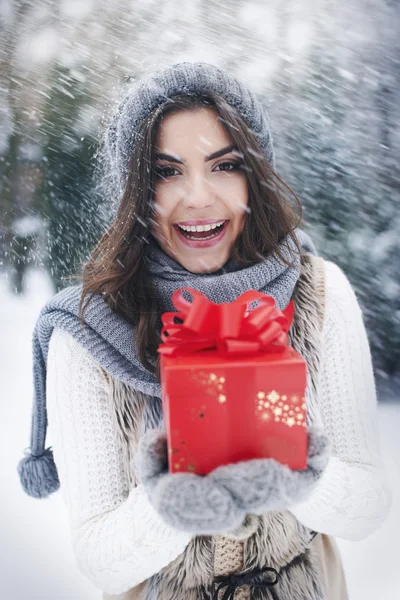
{"x": 199, "y": 193}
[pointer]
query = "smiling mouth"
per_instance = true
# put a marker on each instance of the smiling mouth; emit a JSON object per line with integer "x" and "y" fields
{"x": 201, "y": 235}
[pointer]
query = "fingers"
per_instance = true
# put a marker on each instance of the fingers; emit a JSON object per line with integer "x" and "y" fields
{"x": 152, "y": 454}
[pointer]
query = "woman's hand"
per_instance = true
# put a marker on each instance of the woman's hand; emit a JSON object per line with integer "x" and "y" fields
{"x": 219, "y": 502}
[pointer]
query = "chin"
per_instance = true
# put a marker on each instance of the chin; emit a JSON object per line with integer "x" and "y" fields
{"x": 202, "y": 265}
{"x": 195, "y": 262}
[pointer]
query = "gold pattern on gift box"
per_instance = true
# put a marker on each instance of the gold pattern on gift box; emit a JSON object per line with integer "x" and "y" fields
{"x": 181, "y": 466}
{"x": 266, "y": 416}
{"x": 174, "y": 450}
{"x": 280, "y": 408}
{"x": 273, "y": 396}
{"x": 212, "y": 384}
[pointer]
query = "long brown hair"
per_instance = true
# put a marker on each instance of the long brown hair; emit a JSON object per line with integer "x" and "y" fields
{"x": 117, "y": 269}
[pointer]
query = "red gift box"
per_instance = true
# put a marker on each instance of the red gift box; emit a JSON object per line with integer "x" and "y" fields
{"x": 232, "y": 387}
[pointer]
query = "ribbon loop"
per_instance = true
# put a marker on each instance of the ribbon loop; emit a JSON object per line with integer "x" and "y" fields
{"x": 232, "y": 582}
{"x": 230, "y": 327}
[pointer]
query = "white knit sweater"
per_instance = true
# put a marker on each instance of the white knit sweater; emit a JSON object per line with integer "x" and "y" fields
{"x": 118, "y": 538}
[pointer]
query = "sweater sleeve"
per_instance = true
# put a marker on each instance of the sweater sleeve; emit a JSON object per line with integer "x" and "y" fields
{"x": 118, "y": 538}
{"x": 353, "y": 497}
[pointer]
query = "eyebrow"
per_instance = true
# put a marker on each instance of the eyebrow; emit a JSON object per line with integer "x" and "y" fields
{"x": 217, "y": 154}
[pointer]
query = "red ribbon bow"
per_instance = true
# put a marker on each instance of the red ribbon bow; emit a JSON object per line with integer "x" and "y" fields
{"x": 230, "y": 327}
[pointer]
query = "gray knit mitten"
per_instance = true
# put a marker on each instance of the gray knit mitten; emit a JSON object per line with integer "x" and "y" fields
{"x": 219, "y": 502}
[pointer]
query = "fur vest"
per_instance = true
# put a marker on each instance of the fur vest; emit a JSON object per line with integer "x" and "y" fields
{"x": 275, "y": 539}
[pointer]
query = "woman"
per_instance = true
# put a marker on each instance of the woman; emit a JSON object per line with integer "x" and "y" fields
{"x": 190, "y": 164}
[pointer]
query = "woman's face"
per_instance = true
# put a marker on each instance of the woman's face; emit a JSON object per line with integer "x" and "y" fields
{"x": 201, "y": 192}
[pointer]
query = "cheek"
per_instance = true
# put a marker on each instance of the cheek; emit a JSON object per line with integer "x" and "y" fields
{"x": 159, "y": 215}
{"x": 163, "y": 209}
{"x": 166, "y": 200}
{"x": 235, "y": 194}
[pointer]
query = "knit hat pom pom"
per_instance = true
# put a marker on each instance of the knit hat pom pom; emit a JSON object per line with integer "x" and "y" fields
{"x": 38, "y": 474}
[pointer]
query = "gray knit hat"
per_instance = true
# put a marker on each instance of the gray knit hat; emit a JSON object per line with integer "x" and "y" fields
{"x": 194, "y": 79}
{"x": 37, "y": 470}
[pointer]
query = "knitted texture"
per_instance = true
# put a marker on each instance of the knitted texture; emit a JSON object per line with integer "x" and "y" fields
{"x": 115, "y": 532}
{"x": 229, "y": 556}
{"x": 195, "y": 79}
{"x": 228, "y": 560}
{"x": 110, "y": 338}
{"x": 351, "y": 500}
{"x": 271, "y": 276}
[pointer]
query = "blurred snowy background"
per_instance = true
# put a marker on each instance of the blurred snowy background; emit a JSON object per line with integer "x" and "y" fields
{"x": 327, "y": 72}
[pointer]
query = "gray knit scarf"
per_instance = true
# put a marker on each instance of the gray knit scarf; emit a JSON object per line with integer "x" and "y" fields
{"x": 271, "y": 276}
{"x": 109, "y": 338}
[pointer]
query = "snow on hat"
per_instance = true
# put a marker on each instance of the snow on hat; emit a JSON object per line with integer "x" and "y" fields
{"x": 194, "y": 79}
{"x": 37, "y": 470}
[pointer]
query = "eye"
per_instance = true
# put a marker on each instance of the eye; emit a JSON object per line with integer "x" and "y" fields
{"x": 228, "y": 166}
{"x": 165, "y": 172}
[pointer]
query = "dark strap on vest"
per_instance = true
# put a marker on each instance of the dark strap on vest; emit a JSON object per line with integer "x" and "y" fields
{"x": 232, "y": 582}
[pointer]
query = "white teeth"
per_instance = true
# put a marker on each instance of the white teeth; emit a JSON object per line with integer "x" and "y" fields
{"x": 201, "y": 227}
